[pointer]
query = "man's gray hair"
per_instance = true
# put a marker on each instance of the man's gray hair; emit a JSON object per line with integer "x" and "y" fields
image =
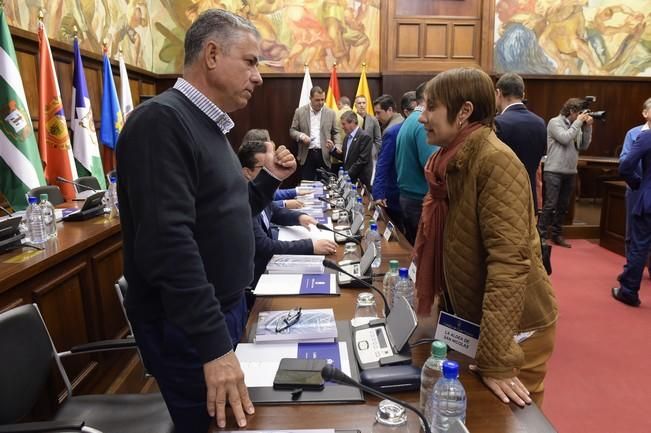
{"x": 350, "y": 116}
{"x": 220, "y": 25}
{"x": 647, "y": 104}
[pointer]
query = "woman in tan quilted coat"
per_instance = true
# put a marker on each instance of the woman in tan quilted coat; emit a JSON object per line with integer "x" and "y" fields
{"x": 477, "y": 247}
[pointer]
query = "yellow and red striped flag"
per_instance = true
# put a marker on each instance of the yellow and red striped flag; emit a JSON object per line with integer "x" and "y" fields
{"x": 332, "y": 97}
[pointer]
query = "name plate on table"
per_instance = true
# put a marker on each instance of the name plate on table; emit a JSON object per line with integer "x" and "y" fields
{"x": 412, "y": 271}
{"x": 388, "y": 231}
{"x": 460, "y": 334}
{"x": 376, "y": 214}
{"x": 316, "y": 284}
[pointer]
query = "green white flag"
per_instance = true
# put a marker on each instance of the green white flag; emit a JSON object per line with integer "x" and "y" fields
{"x": 20, "y": 162}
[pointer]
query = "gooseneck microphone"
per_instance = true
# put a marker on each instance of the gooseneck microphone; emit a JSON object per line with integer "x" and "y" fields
{"x": 333, "y": 204}
{"x": 332, "y": 265}
{"x": 71, "y": 182}
{"x": 342, "y": 234}
{"x": 333, "y": 374}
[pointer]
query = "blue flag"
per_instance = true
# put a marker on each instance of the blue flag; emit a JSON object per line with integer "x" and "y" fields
{"x": 84, "y": 137}
{"x": 111, "y": 114}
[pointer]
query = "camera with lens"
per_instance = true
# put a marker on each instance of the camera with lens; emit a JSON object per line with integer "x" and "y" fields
{"x": 585, "y": 109}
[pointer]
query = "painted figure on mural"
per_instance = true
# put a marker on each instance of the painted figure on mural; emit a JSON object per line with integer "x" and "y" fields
{"x": 128, "y": 35}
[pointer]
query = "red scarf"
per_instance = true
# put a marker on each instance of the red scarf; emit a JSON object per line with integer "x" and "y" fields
{"x": 430, "y": 279}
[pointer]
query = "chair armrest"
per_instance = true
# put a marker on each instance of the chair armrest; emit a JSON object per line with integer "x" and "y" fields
{"x": 42, "y": 427}
{"x": 99, "y": 346}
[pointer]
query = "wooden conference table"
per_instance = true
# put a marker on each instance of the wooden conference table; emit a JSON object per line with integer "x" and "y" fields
{"x": 485, "y": 413}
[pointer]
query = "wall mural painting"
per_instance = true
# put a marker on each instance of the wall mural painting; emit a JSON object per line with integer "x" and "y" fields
{"x": 573, "y": 37}
{"x": 151, "y": 32}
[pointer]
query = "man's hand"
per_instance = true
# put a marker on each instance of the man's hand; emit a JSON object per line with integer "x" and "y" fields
{"x": 324, "y": 247}
{"x": 280, "y": 162}
{"x": 330, "y": 145}
{"x": 382, "y": 202}
{"x": 583, "y": 117}
{"x": 589, "y": 120}
{"x": 225, "y": 382}
{"x": 305, "y": 138}
{"x": 306, "y": 221}
{"x": 293, "y": 204}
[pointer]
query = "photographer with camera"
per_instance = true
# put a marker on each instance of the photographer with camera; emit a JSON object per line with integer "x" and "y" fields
{"x": 567, "y": 134}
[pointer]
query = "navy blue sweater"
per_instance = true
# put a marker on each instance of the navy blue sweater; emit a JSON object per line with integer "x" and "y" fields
{"x": 185, "y": 210}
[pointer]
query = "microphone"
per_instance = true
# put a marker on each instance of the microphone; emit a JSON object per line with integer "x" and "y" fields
{"x": 3, "y": 209}
{"x": 80, "y": 185}
{"x": 345, "y": 236}
{"x": 323, "y": 199}
{"x": 332, "y": 265}
{"x": 333, "y": 374}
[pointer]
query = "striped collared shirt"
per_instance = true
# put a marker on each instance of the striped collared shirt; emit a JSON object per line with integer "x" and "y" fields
{"x": 222, "y": 119}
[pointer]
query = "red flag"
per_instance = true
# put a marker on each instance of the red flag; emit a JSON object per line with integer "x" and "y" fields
{"x": 53, "y": 140}
{"x": 332, "y": 97}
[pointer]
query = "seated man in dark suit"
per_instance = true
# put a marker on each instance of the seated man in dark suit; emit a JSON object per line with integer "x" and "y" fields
{"x": 519, "y": 128}
{"x": 356, "y": 150}
{"x": 265, "y": 228}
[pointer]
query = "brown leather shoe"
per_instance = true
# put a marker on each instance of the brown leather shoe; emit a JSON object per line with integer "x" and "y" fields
{"x": 561, "y": 242}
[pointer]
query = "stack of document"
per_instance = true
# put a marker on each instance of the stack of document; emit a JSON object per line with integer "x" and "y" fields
{"x": 296, "y": 284}
{"x": 313, "y": 326}
{"x": 295, "y": 264}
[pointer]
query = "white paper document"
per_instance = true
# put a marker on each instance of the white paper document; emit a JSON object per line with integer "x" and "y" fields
{"x": 259, "y": 362}
{"x": 294, "y": 233}
{"x": 296, "y": 284}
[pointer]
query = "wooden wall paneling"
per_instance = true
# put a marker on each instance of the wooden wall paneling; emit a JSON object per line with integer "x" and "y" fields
{"x": 436, "y": 37}
{"x": 59, "y": 294}
{"x": 28, "y": 67}
{"x": 149, "y": 88}
{"x": 134, "y": 86}
{"x": 106, "y": 261}
{"x": 465, "y": 41}
{"x": 63, "y": 69}
{"x": 452, "y": 8}
{"x": 94, "y": 85}
{"x": 408, "y": 44}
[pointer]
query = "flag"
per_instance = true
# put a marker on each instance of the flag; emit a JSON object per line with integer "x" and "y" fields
{"x": 53, "y": 139}
{"x": 362, "y": 90}
{"x": 84, "y": 137}
{"x": 332, "y": 97}
{"x": 126, "y": 103}
{"x": 305, "y": 90}
{"x": 111, "y": 114}
{"x": 20, "y": 162}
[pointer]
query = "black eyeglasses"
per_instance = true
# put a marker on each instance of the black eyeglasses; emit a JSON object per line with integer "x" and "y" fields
{"x": 291, "y": 318}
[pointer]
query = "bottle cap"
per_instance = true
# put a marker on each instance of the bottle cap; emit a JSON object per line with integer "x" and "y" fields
{"x": 450, "y": 370}
{"x": 390, "y": 413}
{"x": 404, "y": 273}
{"x": 394, "y": 265}
{"x": 373, "y": 227}
{"x": 354, "y": 187}
{"x": 359, "y": 199}
{"x": 32, "y": 200}
{"x": 44, "y": 197}
{"x": 114, "y": 179}
{"x": 439, "y": 349}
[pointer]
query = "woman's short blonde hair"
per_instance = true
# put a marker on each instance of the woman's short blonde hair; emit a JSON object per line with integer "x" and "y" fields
{"x": 454, "y": 87}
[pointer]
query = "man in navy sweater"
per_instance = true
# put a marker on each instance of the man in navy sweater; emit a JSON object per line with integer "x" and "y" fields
{"x": 185, "y": 210}
{"x": 265, "y": 230}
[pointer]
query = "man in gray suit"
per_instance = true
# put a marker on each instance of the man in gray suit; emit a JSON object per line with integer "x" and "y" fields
{"x": 314, "y": 128}
{"x": 369, "y": 124}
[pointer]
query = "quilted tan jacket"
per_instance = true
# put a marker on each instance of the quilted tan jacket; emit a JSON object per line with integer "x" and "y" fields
{"x": 493, "y": 267}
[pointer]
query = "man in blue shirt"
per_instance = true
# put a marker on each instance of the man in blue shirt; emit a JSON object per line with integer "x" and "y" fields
{"x": 412, "y": 153}
{"x": 632, "y": 196}
{"x": 639, "y": 154}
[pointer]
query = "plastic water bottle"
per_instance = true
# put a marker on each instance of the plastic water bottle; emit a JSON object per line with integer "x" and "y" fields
{"x": 340, "y": 174}
{"x": 374, "y": 236}
{"x": 448, "y": 399}
{"x": 390, "y": 280}
{"x": 404, "y": 287}
{"x": 431, "y": 372}
{"x": 49, "y": 217}
{"x": 358, "y": 210}
{"x": 35, "y": 225}
{"x": 351, "y": 254}
{"x": 113, "y": 198}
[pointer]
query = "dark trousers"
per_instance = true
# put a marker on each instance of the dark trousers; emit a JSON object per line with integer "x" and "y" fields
{"x": 171, "y": 358}
{"x": 637, "y": 254}
{"x": 411, "y": 210}
{"x": 631, "y": 198}
{"x": 313, "y": 161}
{"x": 558, "y": 193}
